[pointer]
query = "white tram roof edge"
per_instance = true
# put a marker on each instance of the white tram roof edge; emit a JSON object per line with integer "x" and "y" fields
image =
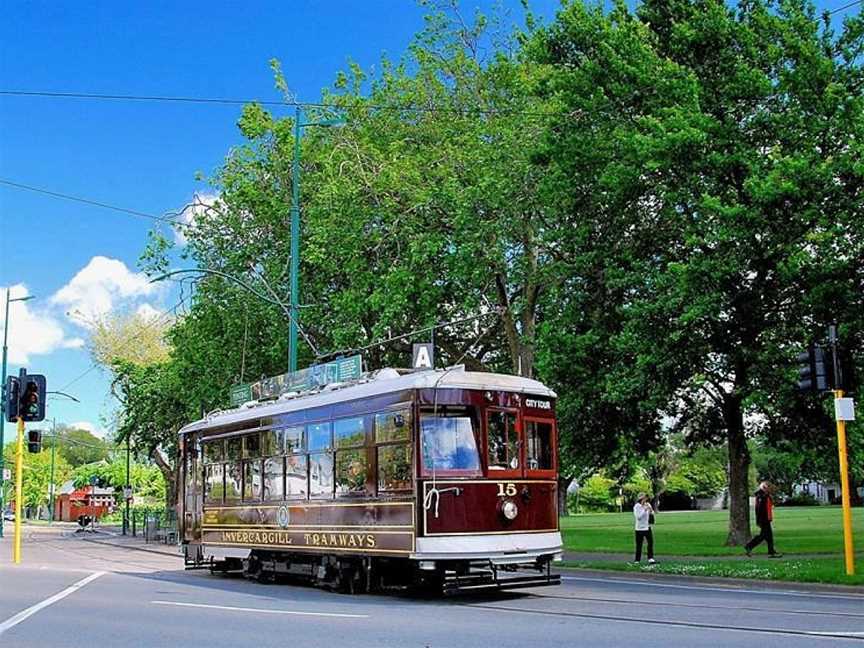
{"x": 381, "y": 382}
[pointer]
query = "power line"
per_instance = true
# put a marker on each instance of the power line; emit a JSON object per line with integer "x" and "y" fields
{"x": 468, "y": 110}
{"x": 87, "y": 201}
{"x": 848, "y": 6}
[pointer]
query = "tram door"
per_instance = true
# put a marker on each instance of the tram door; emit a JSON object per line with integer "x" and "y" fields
{"x": 192, "y": 488}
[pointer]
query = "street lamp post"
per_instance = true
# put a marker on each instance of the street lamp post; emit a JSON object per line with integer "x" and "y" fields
{"x": 3, "y": 399}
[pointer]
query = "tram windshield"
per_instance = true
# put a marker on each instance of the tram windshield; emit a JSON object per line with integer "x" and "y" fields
{"x": 449, "y": 442}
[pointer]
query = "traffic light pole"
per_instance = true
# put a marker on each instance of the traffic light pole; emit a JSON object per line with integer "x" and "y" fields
{"x": 52, "y": 494}
{"x": 844, "y": 486}
{"x": 19, "y": 491}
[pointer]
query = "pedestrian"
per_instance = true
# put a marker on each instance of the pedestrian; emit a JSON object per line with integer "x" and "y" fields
{"x": 644, "y": 515}
{"x": 764, "y": 518}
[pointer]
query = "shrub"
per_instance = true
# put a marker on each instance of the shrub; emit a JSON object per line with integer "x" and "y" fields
{"x": 800, "y": 499}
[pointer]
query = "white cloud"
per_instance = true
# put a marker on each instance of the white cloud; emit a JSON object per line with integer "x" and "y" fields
{"x": 87, "y": 425}
{"x": 191, "y": 212}
{"x": 148, "y": 312}
{"x": 32, "y": 330}
{"x": 97, "y": 288}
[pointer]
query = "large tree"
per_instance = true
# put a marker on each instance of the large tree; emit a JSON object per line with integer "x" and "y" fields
{"x": 722, "y": 147}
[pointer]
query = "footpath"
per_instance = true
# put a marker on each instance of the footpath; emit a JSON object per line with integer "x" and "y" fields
{"x": 114, "y": 536}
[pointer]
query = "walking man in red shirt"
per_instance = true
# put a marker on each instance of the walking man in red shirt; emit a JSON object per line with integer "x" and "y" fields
{"x": 764, "y": 517}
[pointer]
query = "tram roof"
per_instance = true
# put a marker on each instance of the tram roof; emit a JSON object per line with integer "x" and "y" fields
{"x": 384, "y": 381}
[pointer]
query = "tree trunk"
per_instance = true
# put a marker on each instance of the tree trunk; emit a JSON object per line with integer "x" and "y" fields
{"x": 563, "y": 485}
{"x": 739, "y": 465}
{"x": 170, "y": 475}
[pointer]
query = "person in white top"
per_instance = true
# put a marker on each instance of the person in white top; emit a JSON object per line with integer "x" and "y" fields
{"x": 643, "y": 511}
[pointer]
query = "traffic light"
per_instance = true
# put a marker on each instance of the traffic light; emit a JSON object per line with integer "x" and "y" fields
{"x": 816, "y": 372}
{"x": 34, "y": 441}
{"x": 31, "y": 402}
{"x": 10, "y": 399}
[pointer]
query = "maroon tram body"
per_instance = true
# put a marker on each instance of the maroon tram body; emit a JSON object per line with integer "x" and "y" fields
{"x": 446, "y": 478}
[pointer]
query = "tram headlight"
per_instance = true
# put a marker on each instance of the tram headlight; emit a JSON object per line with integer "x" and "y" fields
{"x": 509, "y": 510}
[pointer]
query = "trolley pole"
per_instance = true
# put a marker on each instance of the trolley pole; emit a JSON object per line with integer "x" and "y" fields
{"x": 19, "y": 491}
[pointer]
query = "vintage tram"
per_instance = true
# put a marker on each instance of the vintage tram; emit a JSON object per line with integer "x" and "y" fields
{"x": 442, "y": 478}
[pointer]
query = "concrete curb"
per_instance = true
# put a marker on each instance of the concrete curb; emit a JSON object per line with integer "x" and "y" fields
{"x": 728, "y": 583}
{"x": 161, "y": 552}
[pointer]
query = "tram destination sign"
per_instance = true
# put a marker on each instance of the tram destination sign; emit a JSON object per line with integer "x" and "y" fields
{"x": 339, "y": 370}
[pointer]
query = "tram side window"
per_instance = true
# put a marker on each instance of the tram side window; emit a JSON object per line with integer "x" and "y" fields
{"x": 233, "y": 448}
{"x": 252, "y": 480}
{"x": 503, "y": 441}
{"x": 233, "y": 481}
{"x": 274, "y": 479}
{"x": 448, "y": 441}
{"x": 291, "y": 440}
{"x": 252, "y": 446}
{"x": 214, "y": 451}
{"x": 538, "y": 436}
{"x": 296, "y": 477}
{"x": 271, "y": 443}
{"x": 214, "y": 484}
{"x": 321, "y": 475}
{"x": 350, "y": 440}
{"x": 392, "y": 434}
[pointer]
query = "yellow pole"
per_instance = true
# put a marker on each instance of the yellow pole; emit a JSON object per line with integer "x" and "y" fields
{"x": 19, "y": 491}
{"x": 844, "y": 485}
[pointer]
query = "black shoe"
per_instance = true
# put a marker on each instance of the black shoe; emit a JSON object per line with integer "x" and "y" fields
{"x": 748, "y": 553}
{"x": 775, "y": 555}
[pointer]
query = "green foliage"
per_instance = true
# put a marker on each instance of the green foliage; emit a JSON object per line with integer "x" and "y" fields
{"x": 77, "y": 446}
{"x": 36, "y": 475}
{"x": 596, "y": 494}
{"x": 146, "y": 480}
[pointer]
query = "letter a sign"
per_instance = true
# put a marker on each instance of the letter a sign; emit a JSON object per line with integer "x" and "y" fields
{"x": 424, "y": 356}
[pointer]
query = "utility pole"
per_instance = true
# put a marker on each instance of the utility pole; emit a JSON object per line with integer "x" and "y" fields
{"x": 295, "y": 230}
{"x": 295, "y": 243}
{"x": 51, "y": 490}
{"x": 128, "y": 488}
{"x": 3, "y": 398}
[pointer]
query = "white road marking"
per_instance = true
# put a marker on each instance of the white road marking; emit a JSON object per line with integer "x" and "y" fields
{"x": 33, "y": 609}
{"x": 727, "y": 590}
{"x": 831, "y": 632}
{"x": 262, "y": 610}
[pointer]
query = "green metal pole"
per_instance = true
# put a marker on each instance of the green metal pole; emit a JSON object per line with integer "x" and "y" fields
{"x": 51, "y": 482}
{"x": 3, "y": 409}
{"x": 125, "y": 490}
{"x": 295, "y": 243}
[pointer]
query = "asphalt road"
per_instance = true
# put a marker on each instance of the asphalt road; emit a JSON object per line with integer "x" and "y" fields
{"x": 71, "y": 592}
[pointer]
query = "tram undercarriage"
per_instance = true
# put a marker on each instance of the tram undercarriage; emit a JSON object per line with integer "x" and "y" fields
{"x": 364, "y": 574}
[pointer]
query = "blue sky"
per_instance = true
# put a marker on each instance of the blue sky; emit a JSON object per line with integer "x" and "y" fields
{"x": 143, "y": 156}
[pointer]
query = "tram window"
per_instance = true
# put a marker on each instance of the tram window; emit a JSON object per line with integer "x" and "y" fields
{"x": 214, "y": 451}
{"x": 252, "y": 446}
{"x": 274, "y": 479}
{"x": 320, "y": 437}
{"x": 448, "y": 442}
{"x": 291, "y": 440}
{"x": 538, "y": 436}
{"x": 233, "y": 481}
{"x": 503, "y": 441}
{"x": 321, "y": 475}
{"x": 214, "y": 484}
{"x": 252, "y": 481}
{"x": 296, "y": 479}
{"x": 349, "y": 432}
{"x": 270, "y": 443}
{"x": 233, "y": 448}
{"x": 351, "y": 472}
{"x": 393, "y": 426}
{"x": 394, "y": 467}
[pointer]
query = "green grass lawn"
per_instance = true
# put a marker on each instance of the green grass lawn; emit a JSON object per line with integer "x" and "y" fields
{"x": 702, "y": 534}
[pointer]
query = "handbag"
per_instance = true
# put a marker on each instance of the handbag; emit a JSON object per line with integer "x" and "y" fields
{"x": 650, "y": 518}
